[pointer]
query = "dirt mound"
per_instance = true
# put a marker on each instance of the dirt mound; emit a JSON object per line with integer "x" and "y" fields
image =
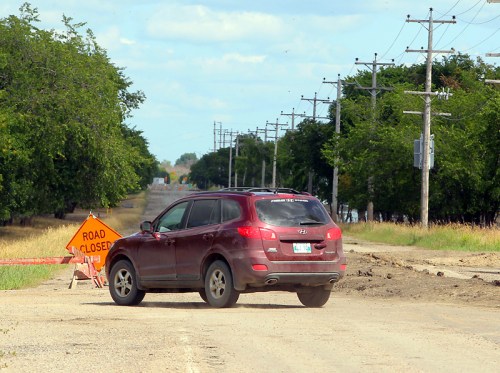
{"x": 405, "y": 276}
{"x": 470, "y": 260}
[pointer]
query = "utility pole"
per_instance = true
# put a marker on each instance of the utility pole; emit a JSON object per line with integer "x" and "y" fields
{"x": 265, "y": 150}
{"x": 276, "y": 129}
{"x": 256, "y": 133}
{"x": 215, "y": 138}
{"x": 493, "y": 81}
{"x": 373, "y": 92}
{"x": 263, "y": 177}
{"x": 215, "y": 131}
{"x": 235, "y": 160}
{"x": 293, "y": 115}
{"x": 424, "y": 196}
{"x": 222, "y": 136}
{"x": 315, "y": 101}
{"x": 335, "y": 180}
{"x": 310, "y": 175}
{"x": 230, "y": 158}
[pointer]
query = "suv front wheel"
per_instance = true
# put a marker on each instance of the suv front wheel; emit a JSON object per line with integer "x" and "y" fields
{"x": 219, "y": 289}
{"x": 123, "y": 284}
{"x": 314, "y": 297}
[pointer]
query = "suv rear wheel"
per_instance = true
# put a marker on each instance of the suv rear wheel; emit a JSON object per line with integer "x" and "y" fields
{"x": 123, "y": 284}
{"x": 315, "y": 297}
{"x": 219, "y": 289}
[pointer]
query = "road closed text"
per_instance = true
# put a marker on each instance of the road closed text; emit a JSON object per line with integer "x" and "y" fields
{"x": 94, "y": 241}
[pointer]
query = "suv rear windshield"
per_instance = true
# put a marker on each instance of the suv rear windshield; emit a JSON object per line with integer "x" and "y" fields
{"x": 291, "y": 212}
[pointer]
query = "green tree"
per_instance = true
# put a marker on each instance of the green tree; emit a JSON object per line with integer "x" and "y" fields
{"x": 186, "y": 160}
{"x": 63, "y": 107}
{"x": 211, "y": 170}
{"x": 466, "y": 163}
{"x": 252, "y": 151}
{"x": 301, "y": 159}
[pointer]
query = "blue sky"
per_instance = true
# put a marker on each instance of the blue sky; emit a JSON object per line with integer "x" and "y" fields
{"x": 243, "y": 62}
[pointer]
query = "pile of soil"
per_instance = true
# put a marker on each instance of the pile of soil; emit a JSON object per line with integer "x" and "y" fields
{"x": 381, "y": 271}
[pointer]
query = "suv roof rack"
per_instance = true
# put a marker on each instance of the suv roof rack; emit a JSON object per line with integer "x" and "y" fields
{"x": 263, "y": 189}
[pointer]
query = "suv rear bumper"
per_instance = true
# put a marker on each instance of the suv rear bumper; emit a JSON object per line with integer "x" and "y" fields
{"x": 304, "y": 279}
{"x": 286, "y": 273}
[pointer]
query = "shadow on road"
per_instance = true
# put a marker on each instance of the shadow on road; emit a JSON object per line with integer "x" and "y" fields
{"x": 195, "y": 305}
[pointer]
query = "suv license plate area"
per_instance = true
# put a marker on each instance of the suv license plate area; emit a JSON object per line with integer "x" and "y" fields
{"x": 301, "y": 248}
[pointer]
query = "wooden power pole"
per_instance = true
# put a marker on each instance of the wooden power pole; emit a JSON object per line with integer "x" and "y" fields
{"x": 373, "y": 92}
{"x": 424, "y": 196}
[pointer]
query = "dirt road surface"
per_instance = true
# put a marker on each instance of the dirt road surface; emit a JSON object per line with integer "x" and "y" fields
{"x": 391, "y": 313}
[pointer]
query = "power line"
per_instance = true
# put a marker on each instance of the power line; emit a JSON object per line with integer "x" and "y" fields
{"x": 392, "y": 44}
{"x": 315, "y": 101}
{"x": 478, "y": 23}
{"x": 472, "y": 7}
{"x": 465, "y": 50}
{"x": 293, "y": 114}
{"x": 465, "y": 28}
{"x": 449, "y": 10}
{"x": 443, "y": 33}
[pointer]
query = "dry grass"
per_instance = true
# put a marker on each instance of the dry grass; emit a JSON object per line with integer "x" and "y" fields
{"x": 48, "y": 237}
{"x": 128, "y": 214}
{"x": 438, "y": 237}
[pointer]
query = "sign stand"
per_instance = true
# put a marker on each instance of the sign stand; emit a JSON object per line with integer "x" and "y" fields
{"x": 85, "y": 270}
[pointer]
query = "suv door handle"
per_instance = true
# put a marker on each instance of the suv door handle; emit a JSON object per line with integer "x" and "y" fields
{"x": 170, "y": 241}
{"x": 208, "y": 236}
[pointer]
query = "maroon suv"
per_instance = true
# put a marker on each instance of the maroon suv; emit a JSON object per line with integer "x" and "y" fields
{"x": 228, "y": 242}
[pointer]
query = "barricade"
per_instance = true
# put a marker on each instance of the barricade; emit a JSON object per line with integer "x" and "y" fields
{"x": 84, "y": 266}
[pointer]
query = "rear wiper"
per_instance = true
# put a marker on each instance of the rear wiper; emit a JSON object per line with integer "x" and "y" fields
{"x": 310, "y": 222}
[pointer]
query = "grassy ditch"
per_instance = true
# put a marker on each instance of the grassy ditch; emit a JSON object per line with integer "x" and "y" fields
{"x": 48, "y": 237}
{"x": 438, "y": 237}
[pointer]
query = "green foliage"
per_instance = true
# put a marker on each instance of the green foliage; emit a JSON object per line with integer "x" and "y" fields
{"x": 211, "y": 169}
{"x": 300, "y": 154}
{"x": 186, "y": 160}
{"x": 464, "y": 184}
{"x": 62, "y": 110}
{"x": 444, "y": 237}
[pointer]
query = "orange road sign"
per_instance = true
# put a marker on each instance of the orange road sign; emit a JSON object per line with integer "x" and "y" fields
{"x": 93, "y": 238}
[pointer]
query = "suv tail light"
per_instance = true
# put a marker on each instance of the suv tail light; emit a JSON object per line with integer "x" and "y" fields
{"x": 333, "y": 234}
{"x": 255, "y": 232}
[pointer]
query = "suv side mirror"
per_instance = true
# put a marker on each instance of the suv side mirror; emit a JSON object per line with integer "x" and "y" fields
{"x": 146, "y": 226}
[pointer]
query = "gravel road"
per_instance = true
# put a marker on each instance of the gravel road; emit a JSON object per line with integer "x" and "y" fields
{"x": 410, "y": 321}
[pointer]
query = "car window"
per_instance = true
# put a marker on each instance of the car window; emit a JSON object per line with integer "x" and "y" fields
{"x": 230, "y": 210}
{"x": 172, "y": 219}
{"x": 291, "y": 212}
{"x": 215, "y": 218}
{"x": 201, "y": 213}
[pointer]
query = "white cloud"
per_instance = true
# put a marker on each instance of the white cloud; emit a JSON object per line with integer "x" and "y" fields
{"x": 111, "y": 38}
{"x": 127, "y": 41}
{"x": 198, "y": 23}
{"x": 237, "y": 57}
